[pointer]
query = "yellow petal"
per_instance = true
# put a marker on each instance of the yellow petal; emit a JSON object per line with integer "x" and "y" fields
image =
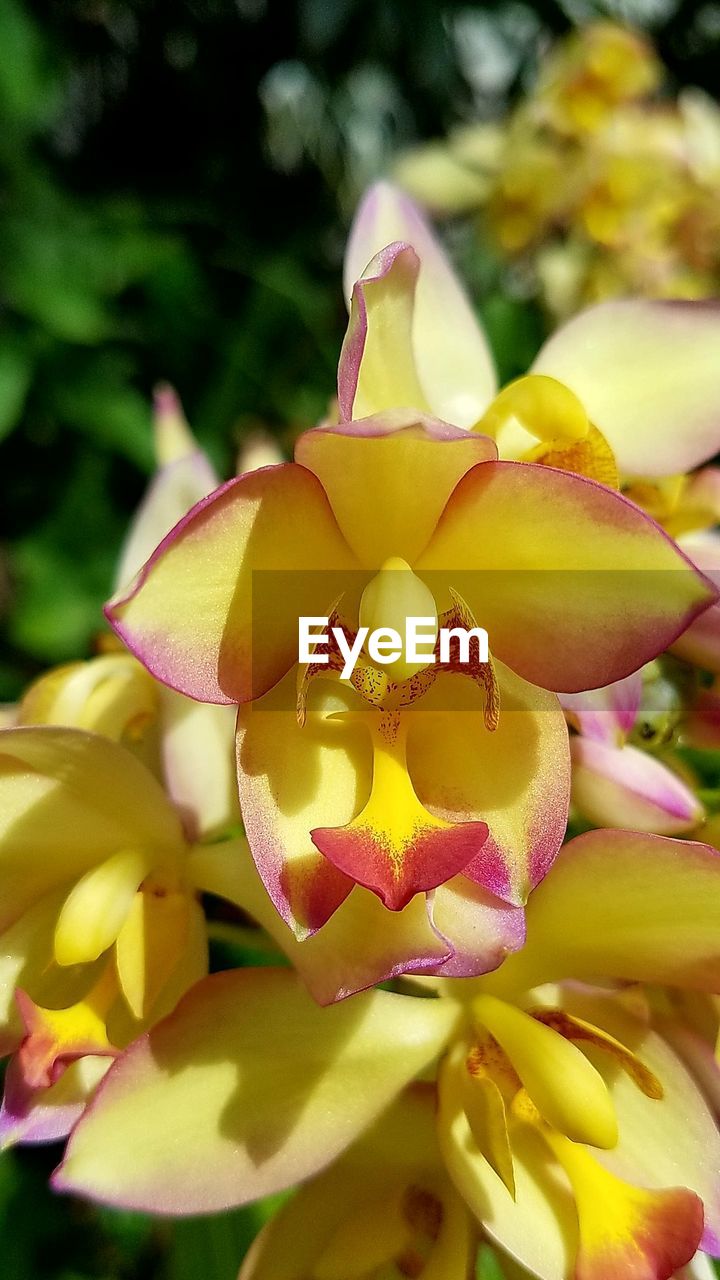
{"x": 644, "y": 372}
{"x": 149, "y": 945}
{"x": 388, "y": 479}
{"x": 377, "y": 364}
{"x": 247, "y": 1088}
{"x": 624, "y": 905}
{"x": 97, "y": 906}
{"x": 451, "y": 353}
{"x": 538, "y": 1227}
{"x": 68, "y": 800}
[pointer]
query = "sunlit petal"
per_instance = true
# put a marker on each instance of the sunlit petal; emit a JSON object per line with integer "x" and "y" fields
{"x": 247, "y": 1088}
{"x": 645, "y": 372}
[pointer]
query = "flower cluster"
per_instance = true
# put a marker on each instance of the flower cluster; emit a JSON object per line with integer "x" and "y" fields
{"x": 491, "y": 888}
{"x": 597, "y": 184}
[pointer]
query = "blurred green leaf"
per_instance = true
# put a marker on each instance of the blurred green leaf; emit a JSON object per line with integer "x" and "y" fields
{"x": 212, "y": 1248}
{"x": 488, "y": 1267}
{"x": 516, "y": 330}
{"x": 16, "y": 367}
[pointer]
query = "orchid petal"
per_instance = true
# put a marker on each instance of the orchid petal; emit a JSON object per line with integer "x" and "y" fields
{"x": 149, "y": 945}
{"x": 480, "y": 929}
{"x": 47, "y": 1115}
{"x": 197, "y": 744}
{"x": 292, "y": 780}
{"x": 172, "y": 436}
{"x": 27, "y": 961}
{"x": 388, "y": 1188}
{"x": 192, "y": 615}
{"x": 452, "y": 357}
{"x": 460, "y": 930}
{"x": 664, "y": 1142}
{"x": 191, "y": 965}
{"x": 377, "y": 370}
{"x": 700, "y": 644}
{"x": 361, "y": 944}
{"x": 645, "y": 372}
{"x": 607, "y": 714}
{"x": 176, "y": 488}
{"x": 538, "y": 1226}
{"x": 578, "y": 587}
{"x": 515, "y": 778}
{"x": 389, "y": 477}
{"x": 97, "y": 907}
{"x": 394, "y": 846}
{"x": 625, "y": 1228}
{"x": 626, "y": 787}
{"x": 110, "y": 694}
{"x": 626, "y": 905}
{"x": 69, "y": 800}
{"x": 247, "y": 1088}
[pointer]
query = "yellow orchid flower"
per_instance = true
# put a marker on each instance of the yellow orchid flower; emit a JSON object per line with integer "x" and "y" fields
{"x": 567, "y": 1120}
{"x": 410, "y": 781}
{"x": 634, "y": 375}
{"x": 101, "y": 925}
{"x": 591, "y": 73}
{"x": 600, "y": 186}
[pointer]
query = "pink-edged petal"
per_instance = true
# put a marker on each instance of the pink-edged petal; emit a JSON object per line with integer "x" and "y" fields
{"x": 214, "y": 612}
{"x": 361, "y": 944}
{"x": 645, "y": 372}
{"x": 607, "y": 714}
{"x": 388, "y": 478}
{"x": 481, "y": 930}
{"x": 515, "y": 778}
{"x": 459, "y": 930}
{"x": 176, "y": 488}
{"x": 377, "y": 369}
{"x": 452, "y": 356}
{"x": 69, "y": 800}
{"x": 294, "y": 779}
{"x": 700, "y": 644}
{"x": 47, "y": 1115}
{"x": 249, "y": 1087}
{"x": 172, "y": 436}
{"x": 626, "y": 787}
{"x": 624, "y": 905}
{"x": 575, "y": 585}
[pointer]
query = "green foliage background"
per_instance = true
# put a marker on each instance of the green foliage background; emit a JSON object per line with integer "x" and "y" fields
{"x": 176, "y": 178}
